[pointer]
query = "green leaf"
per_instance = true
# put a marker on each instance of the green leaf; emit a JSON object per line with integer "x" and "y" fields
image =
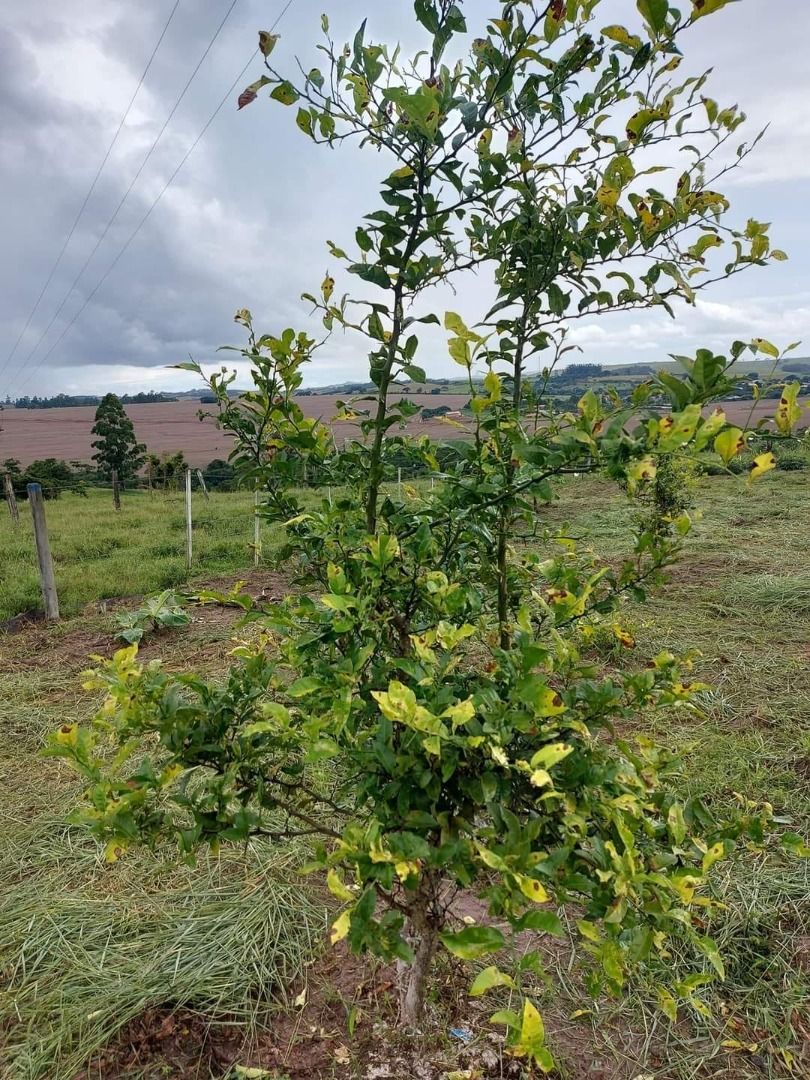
{"x": 488, "y": 979}
{"x": 285, "y": 92}
{"x": 304, "y": 121}
{"x": 473, "y": 941}
{"x": 373, "y": 273}
{"x": 654, "y": 13}
{"x": 708, "y": 946}
{"x": 303, "y": 687}
{"x": 546, "y": 922}
{"x": 794, "y": 844}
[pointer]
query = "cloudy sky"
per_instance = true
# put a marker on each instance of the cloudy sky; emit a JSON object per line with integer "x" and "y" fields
{"x": 245, "y": 221}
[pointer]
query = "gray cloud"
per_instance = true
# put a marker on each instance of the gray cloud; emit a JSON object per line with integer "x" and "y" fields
{"x": 245, "y": 222}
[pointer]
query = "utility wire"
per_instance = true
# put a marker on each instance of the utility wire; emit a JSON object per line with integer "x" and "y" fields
{"x": 226, "y": 97}
{"x": 91, "y": 189}
{"x": 132, "y": 184}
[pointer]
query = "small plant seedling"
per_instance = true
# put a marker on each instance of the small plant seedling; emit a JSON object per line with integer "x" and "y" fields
{"x": 161, "y": 612}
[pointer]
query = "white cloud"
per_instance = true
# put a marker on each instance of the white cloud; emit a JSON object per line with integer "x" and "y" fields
{"x": 245, "y": 222}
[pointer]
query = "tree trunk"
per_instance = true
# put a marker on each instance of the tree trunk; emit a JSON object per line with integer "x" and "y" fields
{"x": 422, "y": 934}
{"x": 503, "y": 576}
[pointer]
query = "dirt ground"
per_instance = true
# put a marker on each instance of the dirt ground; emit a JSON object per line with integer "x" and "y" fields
{"x": 343, "y": 1021}
{"x": 30, "y": 434}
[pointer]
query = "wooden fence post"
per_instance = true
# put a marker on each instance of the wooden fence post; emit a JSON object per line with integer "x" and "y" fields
{"x": 46, "y": 576}
{"x": 149, "y": 480}
{"x": 116, "y": 490}
{"x": 399, "y": 483}
{"x": 11, "y": 499}
{"x": 188, "y": 520}
{"x": 201, "y": 478}
{"x": 257, "y": 531}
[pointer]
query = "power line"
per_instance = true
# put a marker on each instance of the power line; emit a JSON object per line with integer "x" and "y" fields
{"x": 164, "y": 189}
{"x": 91, "y": 189}
{"x": 132, "y": 184}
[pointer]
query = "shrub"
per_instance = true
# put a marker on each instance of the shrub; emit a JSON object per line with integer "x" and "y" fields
{"x": 433, "y": 662}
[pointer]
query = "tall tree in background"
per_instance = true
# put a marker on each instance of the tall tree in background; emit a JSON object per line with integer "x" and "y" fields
{"x": 116, "y": 446}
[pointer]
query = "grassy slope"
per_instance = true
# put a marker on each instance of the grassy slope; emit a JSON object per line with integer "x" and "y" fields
{"x": 743, "y": 600}
{"x": 99, "y": 553}
{"x": 742, "y": 597}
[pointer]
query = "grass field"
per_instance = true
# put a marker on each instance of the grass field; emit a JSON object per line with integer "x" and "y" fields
{"x": 92, "y": 955}
{"x": 99, "y": 553}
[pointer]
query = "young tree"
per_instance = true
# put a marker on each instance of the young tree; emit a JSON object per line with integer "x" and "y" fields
{"x": 116, "y": 446}
{"x": 434, "y": 664}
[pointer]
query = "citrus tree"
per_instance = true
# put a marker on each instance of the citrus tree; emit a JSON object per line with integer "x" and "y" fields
{"x": 424, "y": 706}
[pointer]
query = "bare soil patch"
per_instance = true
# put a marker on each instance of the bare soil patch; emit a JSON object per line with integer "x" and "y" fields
{"x": 31, "y": 644}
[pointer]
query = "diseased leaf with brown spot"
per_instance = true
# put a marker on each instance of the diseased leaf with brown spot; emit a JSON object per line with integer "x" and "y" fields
{"x": 267, "y": 42}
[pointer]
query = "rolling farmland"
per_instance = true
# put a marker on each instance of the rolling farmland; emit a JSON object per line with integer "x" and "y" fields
{"x": 28, "y": 434}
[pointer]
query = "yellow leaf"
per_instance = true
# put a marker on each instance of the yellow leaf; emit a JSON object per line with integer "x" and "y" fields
{"x": 714, "y": 854}
{"x": 788, "y": 412}
{"x": 667, "y": 1004}
{"x": 622, "y": 35}
{"x": 114, "y": 849}
{"x": 607, "y": 196}
{"x": 729, "y": 443}
{"x": 540, "y": 778}
{"x": 499, "y": 755}
{"x": 327, "y": 287}
{"x": 532, "y": 889}
{"x": 643, "y": 469}
{"x": 336, "y": 887}
{"x": 340, "y": 927}
{"x": 761, "y": 345}
{"x": 301, "y": 999}
{"x": 550, "y": 755}
{"x": 492, "y": 385}
{"x": 532, "y": 1032}
{"x": 624, "y": 636}
{"x": 762, "y": 463}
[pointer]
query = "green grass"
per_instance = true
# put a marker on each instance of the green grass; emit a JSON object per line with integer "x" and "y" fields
{"x": 85, "y": 947}
{"x": 741, "y": 596}
{"x": 99, "y": 553}
{"x": 76, "y": 938}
